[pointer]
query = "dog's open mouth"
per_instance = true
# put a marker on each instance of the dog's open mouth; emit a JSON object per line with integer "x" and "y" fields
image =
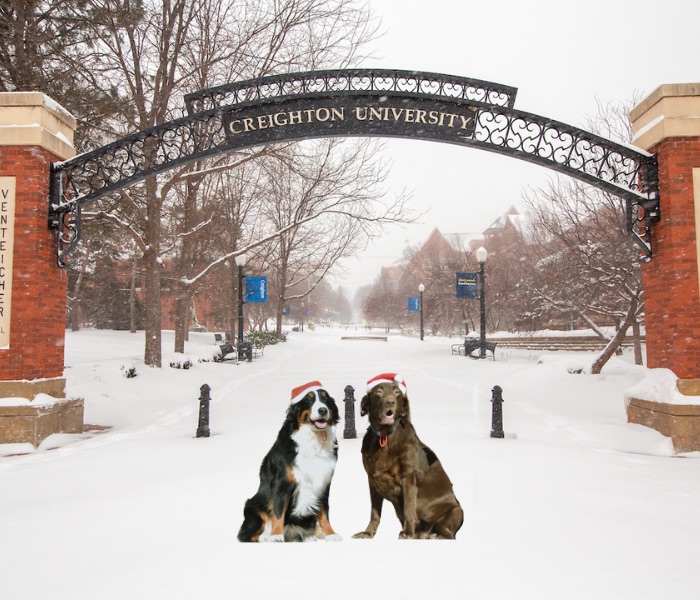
{"x": 388, "y": 417}
{"x": 321, "y": 426}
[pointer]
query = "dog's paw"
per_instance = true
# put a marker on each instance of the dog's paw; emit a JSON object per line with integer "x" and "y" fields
{"x": 272, "y": 538}
{"x": 334, "y": 537}
{"x": 363, "y": 535}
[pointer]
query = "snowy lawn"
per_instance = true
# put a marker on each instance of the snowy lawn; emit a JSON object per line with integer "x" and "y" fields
{"x": 574, "y": 503}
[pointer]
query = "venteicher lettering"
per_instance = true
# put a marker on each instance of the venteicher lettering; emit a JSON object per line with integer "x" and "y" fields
{"x": 7, "y": 216}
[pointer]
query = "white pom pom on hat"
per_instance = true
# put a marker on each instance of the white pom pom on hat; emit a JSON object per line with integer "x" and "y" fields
{"x": 299, "y": 392}
{"x": 387, "y": 378}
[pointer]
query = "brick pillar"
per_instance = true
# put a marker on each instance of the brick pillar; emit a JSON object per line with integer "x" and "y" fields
{"x": 667, "y": 124}
{"x": 34, "y": 131}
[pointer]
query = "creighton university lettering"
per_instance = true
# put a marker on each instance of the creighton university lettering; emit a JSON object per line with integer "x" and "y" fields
{"x": 415, "y": 115}
{"x": 284, "y": 118}
{"x": 355, "y": 115}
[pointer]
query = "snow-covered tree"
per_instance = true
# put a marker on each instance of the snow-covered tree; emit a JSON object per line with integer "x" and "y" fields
{"x": 585, "y": 262}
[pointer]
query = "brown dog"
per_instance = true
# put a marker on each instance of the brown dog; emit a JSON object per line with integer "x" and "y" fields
{"x": 402, "y": 469}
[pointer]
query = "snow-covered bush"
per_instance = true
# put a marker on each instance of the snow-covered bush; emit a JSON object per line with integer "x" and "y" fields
{"x": 180, "y": 361}
{"x": 211, "y": 355}
{"x": 128, "y": 370}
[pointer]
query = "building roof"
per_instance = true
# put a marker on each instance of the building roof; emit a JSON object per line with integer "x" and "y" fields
{"x": 509, "y": 218}
{"x": 464, "y": 241}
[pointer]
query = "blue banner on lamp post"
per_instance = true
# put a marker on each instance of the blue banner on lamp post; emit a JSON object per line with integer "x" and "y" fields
{"x": 413, "y": 304}
{"x": 466, "y": 285}
{"x": 256, "y": 289}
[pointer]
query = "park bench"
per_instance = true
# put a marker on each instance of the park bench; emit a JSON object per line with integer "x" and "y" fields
{"x": 471, "y": 346}
{"x": 220, "y": 339}
{"x": 228, "y": 352}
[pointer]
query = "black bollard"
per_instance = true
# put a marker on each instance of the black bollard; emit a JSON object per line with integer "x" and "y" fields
{"x": 497, "y": 412}
{"x": 349, "y": 432}
{"x": 203, "y": 429}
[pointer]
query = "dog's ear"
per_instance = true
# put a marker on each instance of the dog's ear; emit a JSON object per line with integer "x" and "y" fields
{"x": 293, "y": 411}
{"x": 335, "y": 413}
{"x": 364, "y": 405}
{"x": 405, "y": 409}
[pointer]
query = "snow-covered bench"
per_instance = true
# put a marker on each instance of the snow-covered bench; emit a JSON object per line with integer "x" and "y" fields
{"x": 228, "y": 352}
{"x": 471, "y": 347}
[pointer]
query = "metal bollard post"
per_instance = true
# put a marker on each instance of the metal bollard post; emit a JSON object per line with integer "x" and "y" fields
{"x": 497, "y": 412}
{"x": 349, "y": 430}
{"x": 203, "y": 429}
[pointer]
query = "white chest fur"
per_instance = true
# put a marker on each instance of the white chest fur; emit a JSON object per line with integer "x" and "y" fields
{"x": 313, "y": 468}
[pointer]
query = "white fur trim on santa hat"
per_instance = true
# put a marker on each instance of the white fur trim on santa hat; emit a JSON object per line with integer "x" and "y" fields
{"x": 387, "y": 378}
{"x": 299, "y": 392}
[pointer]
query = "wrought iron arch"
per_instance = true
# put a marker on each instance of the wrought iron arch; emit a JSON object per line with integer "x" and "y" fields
{"x": 357, "y": 102}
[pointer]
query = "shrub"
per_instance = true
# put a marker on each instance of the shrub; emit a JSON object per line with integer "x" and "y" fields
{"x": 128, "y": 370}
{"x": 180, "y": 361}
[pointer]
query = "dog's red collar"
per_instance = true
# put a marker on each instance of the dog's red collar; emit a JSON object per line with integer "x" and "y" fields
{"x": 384, "y": 434}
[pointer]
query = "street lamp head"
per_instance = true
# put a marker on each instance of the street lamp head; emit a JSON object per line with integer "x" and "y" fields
{"x": 241, "y": 260}
{"x": 481, "y": 255}
{"x": 421, "y": 288}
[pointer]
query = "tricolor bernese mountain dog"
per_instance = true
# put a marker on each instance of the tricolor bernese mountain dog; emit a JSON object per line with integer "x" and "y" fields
{"x": 291, "y": 503}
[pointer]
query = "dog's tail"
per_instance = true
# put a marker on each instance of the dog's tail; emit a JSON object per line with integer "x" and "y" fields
{"x": 252, "y": 525}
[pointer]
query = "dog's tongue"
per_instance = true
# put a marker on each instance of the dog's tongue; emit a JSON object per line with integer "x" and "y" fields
{"x": 321, "y": 424}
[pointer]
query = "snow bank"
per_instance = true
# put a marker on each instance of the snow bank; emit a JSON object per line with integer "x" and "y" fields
{"x": 40, "y": 400}
{"x": 659, "y": 385}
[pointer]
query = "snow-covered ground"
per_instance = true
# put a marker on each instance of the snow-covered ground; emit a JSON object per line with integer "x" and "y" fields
{"x": 573, "y": 503}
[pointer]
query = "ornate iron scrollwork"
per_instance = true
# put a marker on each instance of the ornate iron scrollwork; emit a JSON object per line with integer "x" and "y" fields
{"x": 616, "y": 168}
{"x": 357, "y": 103}
{"x": 351, "y": 81}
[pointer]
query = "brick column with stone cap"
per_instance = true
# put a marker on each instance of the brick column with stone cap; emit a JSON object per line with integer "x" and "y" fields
{"x": 34, "y": 132}
{"x": 667, "y": 123}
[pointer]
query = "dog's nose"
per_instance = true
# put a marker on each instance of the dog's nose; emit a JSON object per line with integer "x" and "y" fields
{"x": 323, "y": 411}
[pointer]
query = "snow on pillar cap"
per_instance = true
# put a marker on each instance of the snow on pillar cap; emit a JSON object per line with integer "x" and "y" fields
{"x": 299, "y": 392}
{"x": 387, "y": 378}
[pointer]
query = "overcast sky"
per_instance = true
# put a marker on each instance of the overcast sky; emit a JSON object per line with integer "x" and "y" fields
{"x": 561, "y": 56}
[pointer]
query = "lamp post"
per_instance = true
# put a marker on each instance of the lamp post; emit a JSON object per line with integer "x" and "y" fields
{"x": 240, "y": 263}
{"x": 481, "y": 255}
{"x": 421, "y": 289}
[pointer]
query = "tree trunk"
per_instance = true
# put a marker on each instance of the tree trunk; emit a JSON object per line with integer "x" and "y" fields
{"x": 233, "y": 302}
{"x": 75, "y": 302}
{"x": 152, "y": 351}
{"x": 182, "y": 314}
{"x": 279, "y": 314}
{"x": 616, "y": 341}
{"x": 152, "y": 276}
{"x": 638, "y": 355}
{"x": 132, "y": 295}
{"x": 281, "y": 287}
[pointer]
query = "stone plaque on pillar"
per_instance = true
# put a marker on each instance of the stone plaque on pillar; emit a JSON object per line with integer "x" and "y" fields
{"x": 7, "y": 235}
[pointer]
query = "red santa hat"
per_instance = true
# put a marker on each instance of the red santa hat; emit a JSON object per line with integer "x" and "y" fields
{"x": 299, "y": 392}
{"x": 387, "y": 378}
